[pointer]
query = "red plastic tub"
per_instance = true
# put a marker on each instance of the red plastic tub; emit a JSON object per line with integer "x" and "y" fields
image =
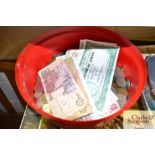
{"x": 32, "y": 59}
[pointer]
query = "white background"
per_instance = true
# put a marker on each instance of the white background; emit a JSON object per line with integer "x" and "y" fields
{"x": 77, "y": 12}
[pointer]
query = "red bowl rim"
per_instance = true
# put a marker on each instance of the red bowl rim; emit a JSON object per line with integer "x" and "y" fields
{"x": 59, "y": 31}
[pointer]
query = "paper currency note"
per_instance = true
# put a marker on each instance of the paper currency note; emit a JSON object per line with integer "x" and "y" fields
{"x": 111, "y": 106}
{"x": 97, "y": 67}
{"x": 63, "y": 92}
{"x": 86, "y": 43}
{"x": 107, "y": 111}
{"x": 80, "y": 81}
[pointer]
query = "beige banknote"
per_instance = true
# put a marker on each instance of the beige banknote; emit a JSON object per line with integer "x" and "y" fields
{"x": 64, "y": 91}
{"x": 85, "y": 42}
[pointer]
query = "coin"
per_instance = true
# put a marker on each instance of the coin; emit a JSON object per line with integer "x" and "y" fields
{"x": 119, "y": 72}
{"x": 122, "y": 91}
{"x": 121, "y": 82}
{"x": 121, "y": 100}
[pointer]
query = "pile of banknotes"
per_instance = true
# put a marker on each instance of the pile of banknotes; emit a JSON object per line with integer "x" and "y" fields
{"x": 84, "y": 84}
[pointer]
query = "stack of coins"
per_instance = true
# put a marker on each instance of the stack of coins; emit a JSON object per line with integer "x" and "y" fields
{"x": 120, "y": 86}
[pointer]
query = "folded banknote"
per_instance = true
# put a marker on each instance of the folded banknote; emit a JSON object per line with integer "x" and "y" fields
{"x": 64, "y": 90}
